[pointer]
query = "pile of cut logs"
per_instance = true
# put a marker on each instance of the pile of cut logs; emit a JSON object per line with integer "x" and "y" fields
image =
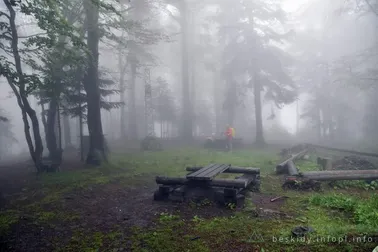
{"x": 304, "y": 180}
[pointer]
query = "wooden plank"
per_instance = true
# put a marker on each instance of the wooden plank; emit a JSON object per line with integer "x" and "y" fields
{"x": 232, "y": 169}
{"x": 221, "y": 168}
{"x": 208, "y": 172}
{"x": 177, "y": 181}
{"x": 197, "y": 173}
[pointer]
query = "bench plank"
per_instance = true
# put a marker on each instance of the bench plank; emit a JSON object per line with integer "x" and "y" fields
{"x": 208, "y": 172}
{"x": 200, "y": 171}
{"x": 221, "y": 168}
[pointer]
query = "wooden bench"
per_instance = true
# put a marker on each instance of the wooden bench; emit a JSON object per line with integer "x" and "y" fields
{"x": 208, "y": 172}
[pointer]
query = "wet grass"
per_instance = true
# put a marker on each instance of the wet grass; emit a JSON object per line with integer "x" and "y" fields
{"x": 335, "y": 213}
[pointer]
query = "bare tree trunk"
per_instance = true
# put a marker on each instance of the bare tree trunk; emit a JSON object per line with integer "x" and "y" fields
{"x": 215, "y": 102}
{"x": 50, "y": 132}
{"x": 187, "y": 125}
{"x": 133, "y": 131}
{"x": 298, "y": 117}
{"x": 44, "y": 121}
{"x": 91, "y": 85}
{"x": 260, "y": 141}
{"x": 81, "y": 135}
{"x": 35, "y": 150}
{"x": 161, "y": 128}
{"x": 122, "y": 88}
{"x": 192, "y": 70}
{"x": 59, "y": 126}
{"x": 67, "y": 131}
{"x": 320, "y": 129}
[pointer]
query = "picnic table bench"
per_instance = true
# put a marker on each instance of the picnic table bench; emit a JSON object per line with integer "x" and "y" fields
{"x": 202, "y": 180}
{"x": 208, "y": 172}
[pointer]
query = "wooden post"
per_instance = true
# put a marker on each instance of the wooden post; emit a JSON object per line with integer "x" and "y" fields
{"x": 291, "y": 168}
{"x": 282, "y": 167}
{"x": 325, "y": 163}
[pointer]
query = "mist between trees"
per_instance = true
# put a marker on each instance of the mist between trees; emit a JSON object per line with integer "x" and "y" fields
{"x": 79, "y": 70}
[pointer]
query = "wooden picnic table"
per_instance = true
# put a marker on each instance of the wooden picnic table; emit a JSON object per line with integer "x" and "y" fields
{"x": 203, "y": 179}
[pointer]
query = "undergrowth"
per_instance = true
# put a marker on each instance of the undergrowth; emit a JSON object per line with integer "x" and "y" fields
{"x": 363, "y": 212}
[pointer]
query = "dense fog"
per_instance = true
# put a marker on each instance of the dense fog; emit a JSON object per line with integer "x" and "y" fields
{"x": 314, "y": 63}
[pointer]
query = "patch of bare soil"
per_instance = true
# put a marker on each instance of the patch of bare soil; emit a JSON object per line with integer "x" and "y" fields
{"x": 268, "y": 206}
{"x": 132, "y": 206}
{"x": 100, "y": 209}
{"x": 107, "y": 208}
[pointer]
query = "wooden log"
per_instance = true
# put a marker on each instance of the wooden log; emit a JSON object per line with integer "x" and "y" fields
{"x": 341, "y": 175}
{"x": 253, "y": 181}
{"x": 230, "y": 183}
{"x": 282, "y": 168}
{"x": 291, "y": 168}
{"x": 232, "y": 169}
{"x": 344, "y": 150}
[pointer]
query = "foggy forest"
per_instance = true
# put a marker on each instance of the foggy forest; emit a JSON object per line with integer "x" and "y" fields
{"x": 124, "y": 122}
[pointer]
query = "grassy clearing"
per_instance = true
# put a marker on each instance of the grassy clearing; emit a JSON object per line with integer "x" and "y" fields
{"x": 329, "y": 214}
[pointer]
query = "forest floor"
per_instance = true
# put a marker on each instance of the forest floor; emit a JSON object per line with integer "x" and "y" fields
{"x": 112, "y": 209}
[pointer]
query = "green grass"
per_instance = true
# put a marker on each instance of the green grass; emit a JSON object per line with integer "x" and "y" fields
{"x": 330, "y": 214}
{"x": 362, "y": 211}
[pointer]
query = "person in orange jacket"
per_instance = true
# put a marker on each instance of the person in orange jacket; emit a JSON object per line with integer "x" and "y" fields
{"x": 230, "y": 134}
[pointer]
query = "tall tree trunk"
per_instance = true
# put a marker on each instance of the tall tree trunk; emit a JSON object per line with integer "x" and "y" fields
{"x": 44, "y": 120}
{"x": 35, "y": 150}
{"x": 81, "y": 137}
{"x": 133, "y": 131}
{"x": 187, "y": 124}
{"x": 192, "y": 69}
{"x": 91, "y": 84}
{"x": 122, "y": 88}
{"x": 59, "y": 128}
{"x": 67, "y": 131}
{"x": 51, "y": 128}
{"x": 298, "y": 118}
{"x": 231, "y": 97}
{"x": 320, "y": 128}
{"x": 260, "y": 141}
{"x": 161, "y": 128}
{"x": 216, "y": 87}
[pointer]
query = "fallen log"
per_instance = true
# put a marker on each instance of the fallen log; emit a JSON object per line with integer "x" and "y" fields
{"x": 344, "y": 150}
{"x": 234, "y": 183}
{"x": 282, "y": 168}
{"x": 232, "y": 169}
{"x": 341, "y": 175}
{"x": 291, "y": 168}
